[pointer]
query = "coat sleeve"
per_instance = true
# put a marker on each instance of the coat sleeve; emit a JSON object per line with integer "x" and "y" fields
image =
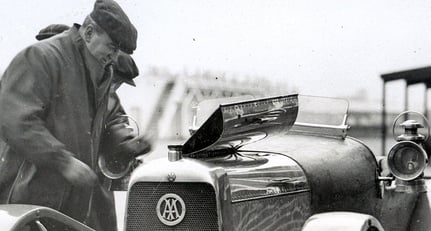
{"x": 116, "y": 113}
{"x": 115, "y": 130}
{"x": 26, "y": 90}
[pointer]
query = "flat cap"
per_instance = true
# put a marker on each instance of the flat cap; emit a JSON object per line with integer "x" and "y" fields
{"x": 112, "y": 19}
{"x": 51, "y": 30}
{"x": 125, "y": 68}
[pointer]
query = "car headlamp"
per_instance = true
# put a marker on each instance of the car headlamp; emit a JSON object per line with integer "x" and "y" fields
{"x": 407, "y": 160}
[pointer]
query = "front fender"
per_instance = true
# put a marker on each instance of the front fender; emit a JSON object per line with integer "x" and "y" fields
{"x": 342, "y": 221}
{"x": 14, "y": 217}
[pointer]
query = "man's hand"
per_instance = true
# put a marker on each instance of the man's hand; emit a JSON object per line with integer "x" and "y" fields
{"x": 79, "y": 174}
{"x": 134, "y": 147}
{"x": 120, "y": 143}
{"x": 118, "y": 133}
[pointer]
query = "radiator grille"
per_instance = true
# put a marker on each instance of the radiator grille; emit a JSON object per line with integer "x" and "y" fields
{"x": 199, "y": 199}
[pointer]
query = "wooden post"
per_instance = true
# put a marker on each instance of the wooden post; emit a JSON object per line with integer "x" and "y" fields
{"x": 384, "y": 118}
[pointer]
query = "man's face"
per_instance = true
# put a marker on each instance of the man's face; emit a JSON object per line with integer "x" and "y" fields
{"x": 102, "y": 48}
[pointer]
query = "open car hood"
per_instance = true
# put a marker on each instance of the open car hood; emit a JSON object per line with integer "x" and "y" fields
{"x": 234, "y": 125}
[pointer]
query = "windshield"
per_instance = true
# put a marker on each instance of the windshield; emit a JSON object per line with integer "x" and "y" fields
{"x": 322, "y": 110}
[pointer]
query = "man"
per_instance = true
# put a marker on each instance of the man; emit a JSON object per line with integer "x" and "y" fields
{"x": 53, "y": 103}
{"x": 116, "y": 131}
{"x": 115, "y": 150}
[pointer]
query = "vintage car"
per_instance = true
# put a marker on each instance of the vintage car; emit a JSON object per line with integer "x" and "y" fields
{"x": 278, "y": 163}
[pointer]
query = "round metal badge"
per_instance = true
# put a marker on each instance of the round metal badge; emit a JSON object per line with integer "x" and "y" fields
{"x": 171, "y": 209}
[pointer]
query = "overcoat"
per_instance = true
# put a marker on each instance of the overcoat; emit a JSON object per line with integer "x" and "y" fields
{"x": 53, "y": 99}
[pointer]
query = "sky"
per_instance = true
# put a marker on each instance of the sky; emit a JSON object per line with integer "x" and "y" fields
{"x": 328, "y": 48}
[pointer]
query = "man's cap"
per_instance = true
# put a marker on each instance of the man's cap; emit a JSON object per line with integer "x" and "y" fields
{"x": 51, "y": 30}
{"x": 125, "y": 68}
{"x": 112, "y": 19}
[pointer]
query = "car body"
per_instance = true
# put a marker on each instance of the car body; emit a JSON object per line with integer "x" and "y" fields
{"x": 279, "y": 163}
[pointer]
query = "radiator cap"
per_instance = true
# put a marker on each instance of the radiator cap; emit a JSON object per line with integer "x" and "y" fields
{"x": 175, "y": 152}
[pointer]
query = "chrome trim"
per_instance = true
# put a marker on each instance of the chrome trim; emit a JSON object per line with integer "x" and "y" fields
{"x": 261, "y": 175}
{"x": 186, "y": 170}
{"x": 190, "y": 170}
{"x": 269, "y": 196}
